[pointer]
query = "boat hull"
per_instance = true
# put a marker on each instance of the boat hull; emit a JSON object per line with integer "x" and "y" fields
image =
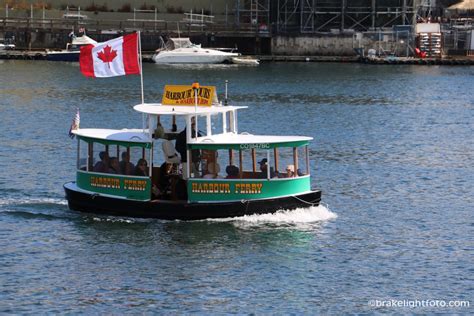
{"x": 189, "y": 57}
{"x": 83, "y": 201}
{"x": 63, "y": 56}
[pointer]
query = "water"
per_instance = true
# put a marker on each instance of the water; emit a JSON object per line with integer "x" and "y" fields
{"x": 393, "y": 152}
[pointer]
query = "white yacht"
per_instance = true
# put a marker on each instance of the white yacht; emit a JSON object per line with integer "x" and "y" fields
{"x": 183, "y": 51}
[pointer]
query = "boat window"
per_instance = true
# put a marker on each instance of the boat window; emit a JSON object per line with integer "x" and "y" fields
{"x": 201, "y": 125}
{"x": 114, "y": 159}
{"x": 213, "y": 164}
{"x": 285, "y": 161}
{"x": 282, "y": 162}
{"x": 303, "y": 161}
{"x": 217, "y": 124}
{"x": 82, "y": 155}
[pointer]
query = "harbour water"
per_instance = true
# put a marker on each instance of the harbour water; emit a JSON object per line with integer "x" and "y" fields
{"x": 393, "y": 153}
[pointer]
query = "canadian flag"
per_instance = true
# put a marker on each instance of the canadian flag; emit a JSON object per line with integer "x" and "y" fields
{"x": 117, "y": 57}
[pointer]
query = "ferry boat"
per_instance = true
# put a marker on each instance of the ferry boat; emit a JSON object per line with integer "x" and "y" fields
{"x": 178, "y": 174}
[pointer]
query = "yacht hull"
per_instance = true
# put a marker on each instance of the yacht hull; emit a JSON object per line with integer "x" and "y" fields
{"x": 193, "y": 58}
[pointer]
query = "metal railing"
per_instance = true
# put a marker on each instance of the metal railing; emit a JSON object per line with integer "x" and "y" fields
{"x": 58, "y": 25}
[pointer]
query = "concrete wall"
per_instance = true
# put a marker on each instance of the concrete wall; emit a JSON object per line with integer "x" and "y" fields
{"x": 329, "y": 45}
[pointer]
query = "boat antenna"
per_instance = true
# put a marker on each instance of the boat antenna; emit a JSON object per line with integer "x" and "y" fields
{"x": 225, "y": 97}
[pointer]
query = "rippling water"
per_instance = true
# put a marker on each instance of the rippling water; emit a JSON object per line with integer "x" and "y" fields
{"x": 393, "y": 154}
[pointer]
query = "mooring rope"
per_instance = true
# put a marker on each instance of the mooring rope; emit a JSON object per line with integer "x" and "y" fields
{"x": 301, "y": 200}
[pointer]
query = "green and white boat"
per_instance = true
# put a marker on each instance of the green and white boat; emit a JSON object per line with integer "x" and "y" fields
{"x": 260, "y": 173}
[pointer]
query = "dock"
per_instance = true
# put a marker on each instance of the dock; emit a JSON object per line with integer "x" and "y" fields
{"x": 147, "y": 58}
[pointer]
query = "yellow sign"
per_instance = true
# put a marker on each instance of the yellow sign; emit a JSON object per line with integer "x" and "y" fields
{"x": 184, "y": 95}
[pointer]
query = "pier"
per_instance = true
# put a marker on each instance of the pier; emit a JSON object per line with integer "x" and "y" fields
{"x": 147, "y": 58}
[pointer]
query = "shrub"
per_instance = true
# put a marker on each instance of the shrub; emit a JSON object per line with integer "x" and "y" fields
{"x": 171, "y": 9}
{"x": 126, "y": 7}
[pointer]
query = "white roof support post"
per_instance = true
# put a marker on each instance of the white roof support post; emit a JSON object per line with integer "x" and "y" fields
{"x": 224, "y": 122}
{"x": 234, "y": 122}
{"x": 268, "y": 165}
{"x": 307, "y": 159}
{"x": 188, "y": 139}
{"x": 188, "y": 129}
{"x": 78, "y": 153}
{"x": 208, "y": 125}
{"x": 150, "y": 128}
{"x": 150, "y": 164}
{"x": 196, "y": 129}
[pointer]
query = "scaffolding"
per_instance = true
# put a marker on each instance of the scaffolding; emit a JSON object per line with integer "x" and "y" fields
{"x": 253, "y": 14}
{"x": 311, "y": 16}
{"x": 314, "y": 16}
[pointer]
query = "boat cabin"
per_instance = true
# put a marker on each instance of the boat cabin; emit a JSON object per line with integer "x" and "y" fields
{"x": 190, "y": 150}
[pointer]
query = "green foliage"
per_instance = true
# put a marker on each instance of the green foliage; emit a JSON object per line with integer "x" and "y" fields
{"x": 126, "y": 7}
{"x": 171, "y": 9}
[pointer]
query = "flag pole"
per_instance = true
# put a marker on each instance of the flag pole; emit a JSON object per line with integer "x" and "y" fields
{"x": 141, "y": 75}
{"x": 141, "y": 64}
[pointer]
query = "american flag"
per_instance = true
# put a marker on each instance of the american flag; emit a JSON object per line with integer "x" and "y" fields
{"x": 75, "y": 124}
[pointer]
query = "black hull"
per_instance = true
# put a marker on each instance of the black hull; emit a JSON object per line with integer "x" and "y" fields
{"x": 171, "y": 210}
{"x": 68, "y": 57}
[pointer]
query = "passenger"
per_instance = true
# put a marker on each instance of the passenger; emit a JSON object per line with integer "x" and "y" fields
{"x": 141, "y": 169}
{"x": 232, "y": 172}
{"x": 299, "y": 172}
{"x": 159, "y": 131}
{"x": 165, "y": 180}
{"x": 181, "y": 146}
{"x": 290, "y": 171}
{"x": 103, "y": 164}
{"x": 114, "y": 165}
{"x": 213, "y": 170}
{"x": 171, "y": 156}
{"x": 126, "y": 167}
{"x": 263, "y": 168}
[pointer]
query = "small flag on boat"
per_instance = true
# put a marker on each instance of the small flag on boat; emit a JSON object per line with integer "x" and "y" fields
{"x": 117, "y": 57}
{"x": 76, "y": 121}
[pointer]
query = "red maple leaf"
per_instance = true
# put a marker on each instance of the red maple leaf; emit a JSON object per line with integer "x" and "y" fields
{"x": 107, "y": 55}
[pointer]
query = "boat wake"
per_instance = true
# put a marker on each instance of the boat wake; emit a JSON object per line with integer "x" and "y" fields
{"x": 309, "y": 215}
{"x": 32, "y": 201}
{"x": 29, "y": 207}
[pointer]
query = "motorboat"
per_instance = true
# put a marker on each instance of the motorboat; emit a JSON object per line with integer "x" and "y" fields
{"x": 6, "y": 44}
{"x": 183, "y": 51}
{"x": 72, "y": 51}
{"x": 177, "y": 175}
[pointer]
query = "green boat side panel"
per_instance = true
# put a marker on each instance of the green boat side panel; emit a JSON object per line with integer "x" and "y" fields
{"x": 135, "y": 188}
{"x": 245, "y": 189}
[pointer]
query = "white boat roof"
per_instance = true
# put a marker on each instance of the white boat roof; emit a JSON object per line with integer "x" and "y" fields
{"x": 83, "y": 40}
{"x": 245, "y": 138}
{"x": 180, "y": 42}
{"x": 159, "y": 109}
{"x": 121, "y": 135}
